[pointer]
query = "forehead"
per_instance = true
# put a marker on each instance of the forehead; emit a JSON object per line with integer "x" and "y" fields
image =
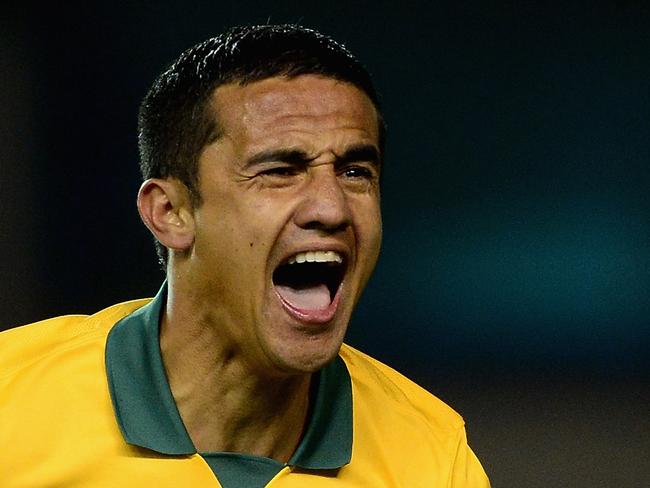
{"x": 287, "y": 105}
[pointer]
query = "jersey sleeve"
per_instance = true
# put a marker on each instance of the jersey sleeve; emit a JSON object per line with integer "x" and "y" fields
{"x": 467, "y": 471}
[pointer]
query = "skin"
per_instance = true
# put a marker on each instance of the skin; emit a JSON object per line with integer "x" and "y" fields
{"x": 292, "y": 170}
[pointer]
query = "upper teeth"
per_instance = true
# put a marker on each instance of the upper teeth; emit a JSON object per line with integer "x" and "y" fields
{"x": 316, "y": 257}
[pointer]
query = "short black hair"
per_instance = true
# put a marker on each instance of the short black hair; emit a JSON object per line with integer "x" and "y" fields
{"x": 174, "y": 123}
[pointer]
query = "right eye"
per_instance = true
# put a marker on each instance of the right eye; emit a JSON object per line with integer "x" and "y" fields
{"x": 279, "y": 171}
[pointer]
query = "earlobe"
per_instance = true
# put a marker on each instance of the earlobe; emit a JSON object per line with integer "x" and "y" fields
{"x": 166, "y": 210}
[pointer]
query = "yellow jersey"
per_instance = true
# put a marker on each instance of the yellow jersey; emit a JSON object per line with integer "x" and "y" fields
{"x": 84, "y": 402}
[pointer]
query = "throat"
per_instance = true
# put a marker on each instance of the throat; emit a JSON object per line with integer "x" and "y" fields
{"x": 250, "y": 424}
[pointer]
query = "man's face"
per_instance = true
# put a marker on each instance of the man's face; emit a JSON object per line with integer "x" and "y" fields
{"x": 289, "y": 228}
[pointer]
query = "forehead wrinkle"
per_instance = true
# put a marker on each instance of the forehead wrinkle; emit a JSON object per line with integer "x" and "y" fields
{"x": 279, "y": 115}
{"x": 339, "y": 101}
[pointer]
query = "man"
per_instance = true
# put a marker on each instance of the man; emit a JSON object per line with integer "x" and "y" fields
{"x": 261, "y": 151}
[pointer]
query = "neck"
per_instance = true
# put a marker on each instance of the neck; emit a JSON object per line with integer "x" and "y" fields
{"x": 226, "y": 405}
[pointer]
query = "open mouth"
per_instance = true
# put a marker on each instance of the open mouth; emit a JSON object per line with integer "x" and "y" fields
{"x": 310, "y": 280}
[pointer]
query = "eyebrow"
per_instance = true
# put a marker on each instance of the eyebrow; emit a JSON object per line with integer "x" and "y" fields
{"x": 359, "y": 152}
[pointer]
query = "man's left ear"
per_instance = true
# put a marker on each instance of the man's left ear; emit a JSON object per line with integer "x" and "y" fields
{"x": 166, "y": 209}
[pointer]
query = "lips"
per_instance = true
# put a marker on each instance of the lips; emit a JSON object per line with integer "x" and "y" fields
{"x": 308, "y": 285}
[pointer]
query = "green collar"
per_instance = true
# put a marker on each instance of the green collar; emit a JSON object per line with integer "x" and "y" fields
{"x": 148, "y": 417}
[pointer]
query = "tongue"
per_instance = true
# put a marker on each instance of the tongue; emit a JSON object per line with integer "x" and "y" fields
{"x": 315, "y": 297}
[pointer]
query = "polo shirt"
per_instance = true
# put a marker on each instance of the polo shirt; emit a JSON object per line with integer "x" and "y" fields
{"x": 85, "y": 402}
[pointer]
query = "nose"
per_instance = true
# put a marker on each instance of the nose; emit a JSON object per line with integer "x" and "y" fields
{"x": 324, "y": 204}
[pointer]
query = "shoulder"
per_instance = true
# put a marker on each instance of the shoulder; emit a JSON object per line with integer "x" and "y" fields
{"x": 28, "y": 345}
{"x": 387, "y": 389}
{"x": 54, "y": 395}
{"x": 401, "y": 431}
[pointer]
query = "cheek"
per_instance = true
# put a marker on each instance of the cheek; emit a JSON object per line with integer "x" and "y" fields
{"x": 267, "y": 216}
{"x": 369, "y": 232}
{"x": 375, "y": 242}
{"x": 220, "y": 236}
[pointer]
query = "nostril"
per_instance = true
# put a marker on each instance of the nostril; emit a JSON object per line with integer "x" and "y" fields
{"x": 330, "y": 229}
{"x": 323, "y": 211}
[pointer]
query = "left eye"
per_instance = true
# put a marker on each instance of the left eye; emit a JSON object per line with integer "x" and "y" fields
{"x": 357, "y": 172}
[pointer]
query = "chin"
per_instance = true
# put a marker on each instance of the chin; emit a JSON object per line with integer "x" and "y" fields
{"x": 307, "y": 359}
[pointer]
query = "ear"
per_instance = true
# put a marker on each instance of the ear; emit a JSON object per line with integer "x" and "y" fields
{"x": 165, "y": 208}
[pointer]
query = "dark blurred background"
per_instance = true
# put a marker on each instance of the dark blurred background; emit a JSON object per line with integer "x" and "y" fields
{"x": 515, "y": 275}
